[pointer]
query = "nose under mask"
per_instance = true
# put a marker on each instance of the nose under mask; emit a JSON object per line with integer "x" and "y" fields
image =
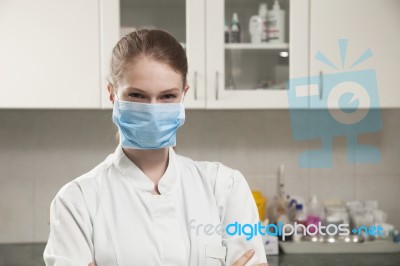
{"x": 148, "y": 126}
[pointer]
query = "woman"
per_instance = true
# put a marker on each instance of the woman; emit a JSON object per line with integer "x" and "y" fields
{"x": 144, "y": 204}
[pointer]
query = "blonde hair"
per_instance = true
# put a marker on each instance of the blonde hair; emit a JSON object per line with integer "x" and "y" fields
{"x": 159, "y": 45}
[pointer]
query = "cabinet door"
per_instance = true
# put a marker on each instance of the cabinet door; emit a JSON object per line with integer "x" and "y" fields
{"x": 247, "y": 75}
{"x": 49, "y": 54}
{"x": 355, "y": 41}
{"x": 183, "y": 19}
{"x": 109, "y": 36}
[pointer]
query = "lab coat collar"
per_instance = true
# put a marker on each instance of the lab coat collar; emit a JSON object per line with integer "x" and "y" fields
{"x": 139, "y": 179}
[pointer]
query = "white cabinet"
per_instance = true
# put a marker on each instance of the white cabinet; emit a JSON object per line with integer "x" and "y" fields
{"x": 183, "y": 19}
{"x": 246, "y": 75}
{"x": 200, "y": 26}
{"x": 370, "y": 28}
{"x": 49, "y": 54}
{"x": 56, "y": 54}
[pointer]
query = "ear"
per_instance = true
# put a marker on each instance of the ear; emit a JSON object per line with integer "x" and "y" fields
{"x": 111, "y": 92}
{"x": 185, "y": 89}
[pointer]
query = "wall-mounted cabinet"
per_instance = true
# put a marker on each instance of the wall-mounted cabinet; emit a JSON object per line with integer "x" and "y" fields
{"x": 183, "y": 19}
{"x": 370, "y": 40}
{"x": 49, "y": 54}
{"x": 221, "y": 75}
{"x": 248, "y": 75}
{"x": 56, "y": 55}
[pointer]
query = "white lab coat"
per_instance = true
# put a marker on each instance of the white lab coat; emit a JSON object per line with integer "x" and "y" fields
{"x": 110, "y": 217}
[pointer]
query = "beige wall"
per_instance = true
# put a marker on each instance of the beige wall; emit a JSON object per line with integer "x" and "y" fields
{"x": 41, "y": 150}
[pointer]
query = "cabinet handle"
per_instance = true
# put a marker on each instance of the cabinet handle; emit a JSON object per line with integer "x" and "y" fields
{"x": 321, "y": 85}
{"x": 195, "y": 85}
{"x": 216, "y": 85}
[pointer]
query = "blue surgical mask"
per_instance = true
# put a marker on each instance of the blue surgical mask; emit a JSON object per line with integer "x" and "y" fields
{"x": 148, "y": 125}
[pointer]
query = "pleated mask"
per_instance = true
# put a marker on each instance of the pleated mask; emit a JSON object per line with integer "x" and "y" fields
{"x": 148, "y": 125}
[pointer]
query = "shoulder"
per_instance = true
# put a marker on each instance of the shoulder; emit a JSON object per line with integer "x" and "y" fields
{"x": 79, "y": 189}
{"x": 220, "y": 176}
{"x": 204, "y": 168}
{"x": 227, "y": 185}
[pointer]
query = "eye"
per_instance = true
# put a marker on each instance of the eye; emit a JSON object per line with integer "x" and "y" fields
{"x": 168, "y": 96}
{"x": 135, "y": 95}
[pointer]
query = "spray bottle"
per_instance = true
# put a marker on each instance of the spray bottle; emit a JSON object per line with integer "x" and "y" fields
{"x": 235, "y": 29}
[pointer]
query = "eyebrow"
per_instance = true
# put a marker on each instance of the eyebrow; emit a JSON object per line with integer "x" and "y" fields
{"x": 143, "y": 91}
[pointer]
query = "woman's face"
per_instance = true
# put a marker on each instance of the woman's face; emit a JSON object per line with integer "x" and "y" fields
{"x": 149, "y": 81}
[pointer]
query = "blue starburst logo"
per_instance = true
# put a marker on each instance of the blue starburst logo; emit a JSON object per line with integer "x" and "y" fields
{"x": 342, "y": 103}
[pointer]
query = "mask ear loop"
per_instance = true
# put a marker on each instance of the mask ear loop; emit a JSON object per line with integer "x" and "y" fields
{"x": 116, "y": 95}
{"x": 183, "y": 96}
{"x": 116, "y": 101}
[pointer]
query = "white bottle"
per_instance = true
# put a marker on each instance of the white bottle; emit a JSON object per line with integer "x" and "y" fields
{"x": 300, "y": 217}
{"x": 258, "y": 25}
{"x": 255, "y": 29}
{"x": 276, "y": 24}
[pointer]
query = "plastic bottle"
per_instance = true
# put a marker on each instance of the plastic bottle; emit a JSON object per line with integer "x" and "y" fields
{"x": 300, "y": 217}
{"x": 226, "y": 32}
{"x": 314, "y": 214}
{"x": 255, "y": 29}
{"x": 261, "y": 202}
{"x": 263, "y": 14}
{"x": 396, "y": 236}
{"x": 292, "y": 209}
{"x": 276, "y": 24}
{"x": 234, "y": 35}
{"x": 258, "y": 25}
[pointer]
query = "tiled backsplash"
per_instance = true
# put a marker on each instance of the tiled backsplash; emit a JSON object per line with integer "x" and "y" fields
{"x": 41, "y": 150}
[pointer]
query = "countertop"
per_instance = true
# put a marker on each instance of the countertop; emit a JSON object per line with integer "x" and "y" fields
{"x": 31, "y": 255}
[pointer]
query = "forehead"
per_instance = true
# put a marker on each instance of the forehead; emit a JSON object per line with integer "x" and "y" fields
{"x": 146, "y": 73}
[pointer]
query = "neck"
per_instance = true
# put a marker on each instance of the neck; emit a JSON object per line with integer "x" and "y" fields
{"x": 153, "y": 163}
